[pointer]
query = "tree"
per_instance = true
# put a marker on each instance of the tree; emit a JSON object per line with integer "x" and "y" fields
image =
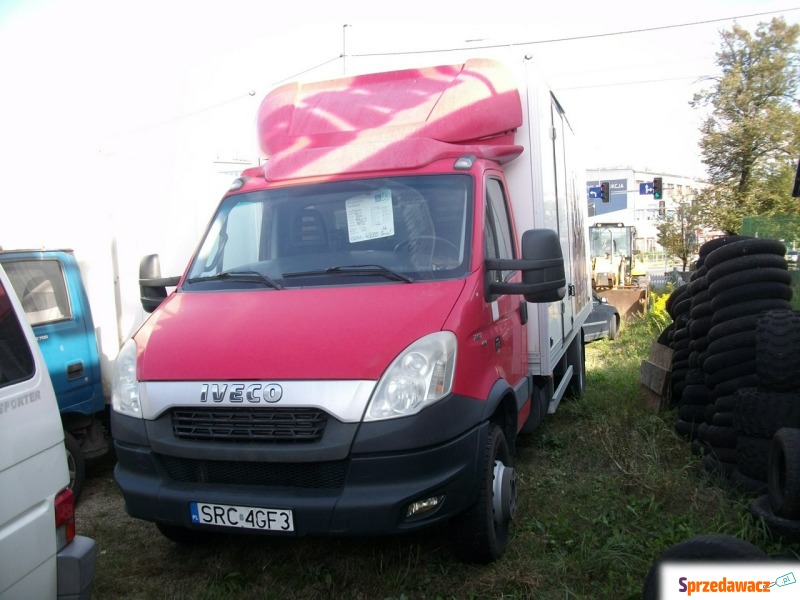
{"x": 677, "y": 230}
{"x": 751, "y": 138}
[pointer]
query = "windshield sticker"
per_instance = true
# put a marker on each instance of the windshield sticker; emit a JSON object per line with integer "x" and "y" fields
{"x": 370, "y": 217}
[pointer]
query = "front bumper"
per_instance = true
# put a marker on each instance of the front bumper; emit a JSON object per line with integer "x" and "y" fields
{"x": 361, "y": 494}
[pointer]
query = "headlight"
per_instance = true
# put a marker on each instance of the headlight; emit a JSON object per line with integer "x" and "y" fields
{"x": 124, "y": 386}
{"x": 420, "y": 376}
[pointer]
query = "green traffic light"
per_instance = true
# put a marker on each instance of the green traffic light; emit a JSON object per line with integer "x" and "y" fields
{"x": 657, "y": 188}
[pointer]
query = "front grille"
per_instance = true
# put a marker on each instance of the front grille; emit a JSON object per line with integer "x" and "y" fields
{"x": 266, "y": 425}
{"x": 319, "y": 475}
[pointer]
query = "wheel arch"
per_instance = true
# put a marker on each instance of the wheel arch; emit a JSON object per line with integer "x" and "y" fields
{"x": 503, "y": 406}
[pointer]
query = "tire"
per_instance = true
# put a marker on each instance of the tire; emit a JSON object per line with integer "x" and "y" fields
{"x": 724, "y": 403}
{"x": 692, "y": 413}
{"x": 728, "y": 387}
{"x": 725, "y": 457}
{"x": 699, "y": 327}
{"x": 76, "y": 463}
{"x": 719, "y": 437}
{"x": 787, "y": 528}
{"x": 745, "y": 484}
{"x": 745, "y": 264}
{"x": 783, "y": 481}
{"x": 720, "y": 418}
{"x": 712, "y": 245}
{"x": 752, "y": 456}
{"x": 731, "y": 372}
{"x": 761, "y": 414}
{"x": 701, "y": 548}
{"x": 684, "y": 306}
{"x": 674, "y": 297}
{"x": 749, "y": 292}
{"x": 733, "y": 326}
{"x": 778, "y": 345}
{"x": 743, "y": 309}
{"x": 695, "y": 394}
{"x": 750, "y": 277}
{"x": 744, "y": 248}
{"x": 700, "y": 310}
{"x": 576, "y": 357}
{"x": 718, "y": 468}
{"x": 687, "y": 429}
{"x": 730, "y": 358}
{"x": 744, "y": 339}
{"x": 481, "y": 532}
{"x": 612, "y": 328}
{"x": 539, "y": 402}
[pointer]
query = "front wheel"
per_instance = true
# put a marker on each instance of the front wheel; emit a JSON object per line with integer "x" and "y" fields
{"x": 481, "y": 532}
{"x": 612, "y": 327}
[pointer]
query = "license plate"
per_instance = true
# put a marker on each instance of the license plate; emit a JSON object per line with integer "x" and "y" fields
{"x": 244, "y": 517}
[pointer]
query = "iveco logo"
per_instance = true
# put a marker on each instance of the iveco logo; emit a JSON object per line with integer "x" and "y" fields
{"x": 240, "y": 392}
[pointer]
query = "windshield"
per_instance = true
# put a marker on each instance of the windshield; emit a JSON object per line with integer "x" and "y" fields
{"x": 609, "y": 241}
{"x": 396, "y": 230}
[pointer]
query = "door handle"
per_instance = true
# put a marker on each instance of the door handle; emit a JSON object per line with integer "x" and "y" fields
{"x": 75, "y": 370}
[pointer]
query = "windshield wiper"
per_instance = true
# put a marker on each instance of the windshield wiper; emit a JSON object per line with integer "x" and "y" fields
{"x": 239, "y": 276}
{"x": 353, "y": 270}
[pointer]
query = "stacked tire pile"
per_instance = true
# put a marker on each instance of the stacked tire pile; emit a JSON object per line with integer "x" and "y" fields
{"x": 691, "y": 312}
{"x": 715, "y": 354}
{"x": 747, "y": 278}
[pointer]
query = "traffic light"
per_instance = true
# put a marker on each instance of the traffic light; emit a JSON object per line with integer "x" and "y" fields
{"x": 658, "y": 191}
{"x": 604, "y": 193}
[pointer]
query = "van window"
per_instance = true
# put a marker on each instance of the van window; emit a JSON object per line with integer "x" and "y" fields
{"x": 16, "y": 359}
{"x": 41, "y": 288}
{"x": 385, "y": 230}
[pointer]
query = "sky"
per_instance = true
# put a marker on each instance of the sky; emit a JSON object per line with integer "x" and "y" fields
{"x": 121, "y": 107}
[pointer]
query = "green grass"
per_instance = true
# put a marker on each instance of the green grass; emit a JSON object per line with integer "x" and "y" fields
{"x": 605, "y": 486}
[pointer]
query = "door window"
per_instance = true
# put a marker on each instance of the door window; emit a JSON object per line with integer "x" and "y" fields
{"x": 499, "y": 241}
{"x": 41, "y": 288}
{"x": 16, "y": 360}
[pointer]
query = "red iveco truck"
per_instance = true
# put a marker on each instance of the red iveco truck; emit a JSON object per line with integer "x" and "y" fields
{"x": 371, "y": 318}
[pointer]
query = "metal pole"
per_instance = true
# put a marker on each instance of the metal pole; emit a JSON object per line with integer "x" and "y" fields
{"x": 344, "y": 48}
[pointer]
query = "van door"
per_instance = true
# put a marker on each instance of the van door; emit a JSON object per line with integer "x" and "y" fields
{"x": 33, "y": 464}
{"x": 51, "y": 302}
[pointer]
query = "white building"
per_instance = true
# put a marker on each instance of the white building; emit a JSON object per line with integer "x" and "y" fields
{"x": 631, "y": 201}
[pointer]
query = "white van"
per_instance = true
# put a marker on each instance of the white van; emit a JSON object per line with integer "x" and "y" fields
{"x": 40, "y": 555}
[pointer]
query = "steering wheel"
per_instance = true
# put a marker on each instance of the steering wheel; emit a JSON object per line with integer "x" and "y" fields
{"x": 405, "y": 245}
{"x": 428, "y": 255}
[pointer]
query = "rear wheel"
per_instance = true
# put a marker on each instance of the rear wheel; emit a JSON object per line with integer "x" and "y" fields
{"x": 576, "y": 358}
{"x": 76, "y": 465}
{"x": 481, "y": 533}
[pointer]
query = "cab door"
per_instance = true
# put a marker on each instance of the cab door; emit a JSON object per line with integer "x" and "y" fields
{"x": 51, "y": 299}
{"x": 508, "y": 311}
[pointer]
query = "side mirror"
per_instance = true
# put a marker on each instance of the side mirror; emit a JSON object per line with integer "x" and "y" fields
{"x": 542, "y": 266}
{"x": 153, "y": 287}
